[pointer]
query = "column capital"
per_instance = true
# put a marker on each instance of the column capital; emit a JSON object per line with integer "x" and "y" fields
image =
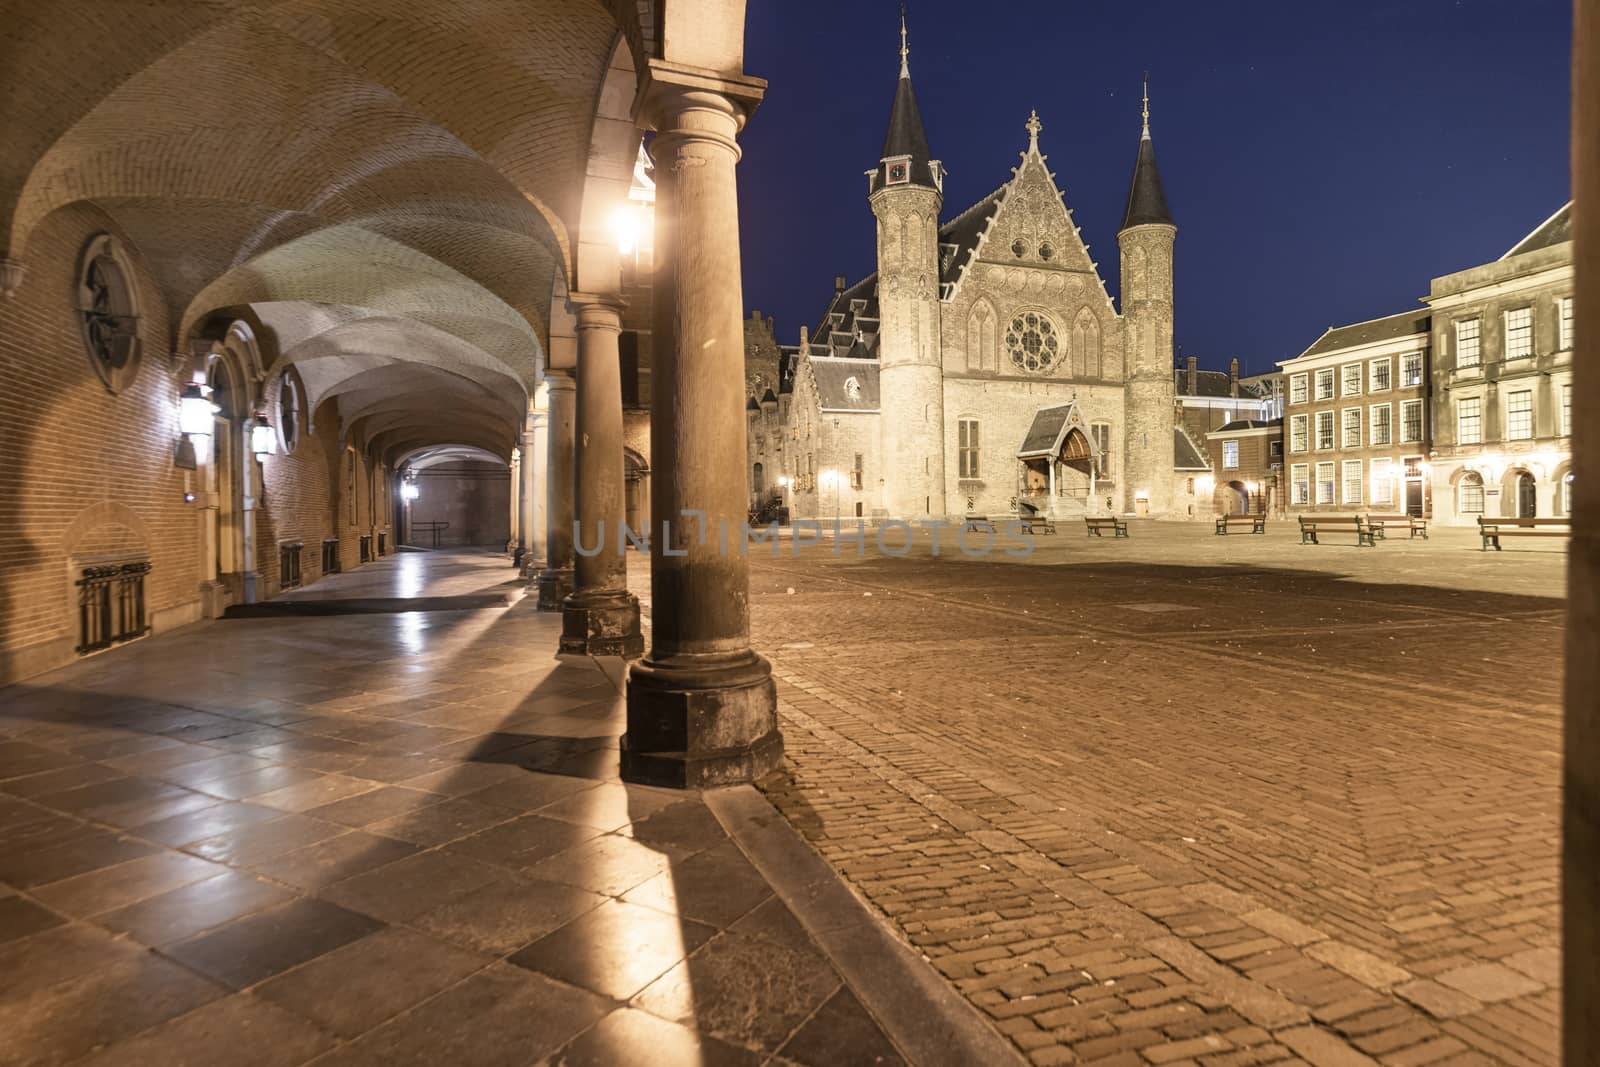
{"x": 560, "y": 379}
{"x": 597, "y": 311}
{"x": 674, "y": 99}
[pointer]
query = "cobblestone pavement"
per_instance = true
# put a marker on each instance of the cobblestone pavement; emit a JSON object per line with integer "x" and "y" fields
{"x": 1191, "y": 799}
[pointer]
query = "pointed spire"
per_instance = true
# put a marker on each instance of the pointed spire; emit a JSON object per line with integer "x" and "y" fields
{"x": 1033, "y": 126}
{"x": 905, "y": 49}
{"x": 1147, "y": 200}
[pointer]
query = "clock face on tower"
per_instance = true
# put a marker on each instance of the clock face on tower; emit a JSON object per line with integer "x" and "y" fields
{"x": 899, "y": 173}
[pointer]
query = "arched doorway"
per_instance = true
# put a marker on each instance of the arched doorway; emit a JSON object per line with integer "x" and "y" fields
{"x": 1527, "y": 496}
{"x": 636, "y": 492}
{"x": 1238, "y": 499}
{"x": 225, "y": 563}
{"x": 759, "y": 480}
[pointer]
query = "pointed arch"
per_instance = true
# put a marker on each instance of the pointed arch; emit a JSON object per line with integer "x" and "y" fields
{"x": 1086, "y": 345}
{"x": 1138, "y": 275}
{"x": 981, "y": 323}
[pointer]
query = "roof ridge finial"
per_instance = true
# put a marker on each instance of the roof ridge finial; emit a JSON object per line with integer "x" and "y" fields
{"x": 905, "y": 48}
{"x": 1033, "y": 126}
{"x": 1146, "y": 135}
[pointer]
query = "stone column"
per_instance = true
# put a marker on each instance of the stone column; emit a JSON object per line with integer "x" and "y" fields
{"x": 702, "y": 707}
{"x": 535, "y": 505}
{"x": 555, "y": 581}
{"x": 1580, "y": 875}
{"x": 600, "y": 618}
{"x": 514, "y": 543}
{"x": 527, "y": 487}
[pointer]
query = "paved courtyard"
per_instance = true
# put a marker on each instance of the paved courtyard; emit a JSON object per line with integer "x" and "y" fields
{"x": 1183, "y": 797}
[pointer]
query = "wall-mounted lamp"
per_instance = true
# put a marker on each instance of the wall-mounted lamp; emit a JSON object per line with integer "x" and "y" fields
{"x": 263, "y": 439}
{"x": 409, "y": 491}
{"x": 195, "y": 413}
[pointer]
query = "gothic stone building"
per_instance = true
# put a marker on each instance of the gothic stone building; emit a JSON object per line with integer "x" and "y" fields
{"x": 983, "y": 368}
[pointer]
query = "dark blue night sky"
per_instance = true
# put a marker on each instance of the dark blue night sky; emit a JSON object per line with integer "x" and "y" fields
{"x": 1323, "y": 160}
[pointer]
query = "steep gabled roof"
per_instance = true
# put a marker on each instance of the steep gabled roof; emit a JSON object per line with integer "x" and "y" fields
{"x": 1552, "y": 231}
{"x": 1389, "y": 328}
{"x": 1186, "y": 455}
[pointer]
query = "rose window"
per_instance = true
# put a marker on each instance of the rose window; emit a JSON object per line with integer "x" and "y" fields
{"x": 1033, "y": 341}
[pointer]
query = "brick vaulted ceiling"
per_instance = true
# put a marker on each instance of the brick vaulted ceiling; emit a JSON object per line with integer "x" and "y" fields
{"x": 390, "y": 188}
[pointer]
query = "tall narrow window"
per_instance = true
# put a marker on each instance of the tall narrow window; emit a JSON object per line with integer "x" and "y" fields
{"x": 1299, "y": 433}
{"x": 1324, "y": 429}
{"x": 1566, "y": 409}
{"x": 350, "y": 484}
{"x": 1519, "y": 415}
{"x": 969, "y": 448}
{"x": 1325, "y": 384}
{"x": 1352, "y": 481}
{"x": 1299, "y": 388}
{"x": 1352, "y": 428}
{"x": 1230, "y": 455}
{"x": 1469, "y": 494}
{"x": 1469, "y": 420}
{"x": 628, "y": 349}
{"x": 1519, "y": 333}
{"x": 1410, "y": 421}
{"x": 856, "y": 473}
{"x": 1300, "y": 483}
{"x": 1325, "y": 483}
{"x": 1380, "y": 424}
{"x": 1351, "y": 373}
{"x": 1102, "y": 441}
{"x": 1469, "y": 351}
{"x": 1383, "y": 481}
{"x": 1564, "y": 320}
{"x": 1411, "y": 370}
{"x": 1378, "y": 375}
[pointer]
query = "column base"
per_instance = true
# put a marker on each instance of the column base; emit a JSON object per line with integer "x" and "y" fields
{"x": 709, "y": 722}
{"x": 602, "y": 624}
{"x": 555, "y": 585}
{"x": 214, "y": 599}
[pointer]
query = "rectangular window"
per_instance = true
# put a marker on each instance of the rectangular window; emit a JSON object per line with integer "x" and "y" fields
{"x": 1378, "y": 373}
{"x": 1324, "y": 429}
{"x": 1471, "y": 495}
{"x": 1383, "y": 481}
{"x": 969, "y": 448}
{"x": 1102, "y": 441}
{"x": 856, "y": 473}
{"x": 1564, "y": 321}
{"x": 1325, "y": 384}
{"x": 1230, "y": 455}
{"x": 1380, "y": 426}
{"x": 1352, "y": 427}
{"x": 1469, "y": 351}
{"x": 1519, "y": 415}
{"x": 1469, "y": 420}
{"x": 1352, "y": 482}
{"x": 1566, "y": 409}
{"x": 1299, "y": 388}
{"x": 1411, "y": 370}
{"x": 1325, "y": 483}
{"x": 1410, "y": 421}
{"x": 1300, "y": 433}
{"x": 1519, "y": 333}
{"x": 1300, "y": 483}
{"x": 1352, "y": 380}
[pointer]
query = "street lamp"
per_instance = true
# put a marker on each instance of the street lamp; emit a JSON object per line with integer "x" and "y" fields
{"x": 263, "y": 440}
{"x": 195, "y": 412}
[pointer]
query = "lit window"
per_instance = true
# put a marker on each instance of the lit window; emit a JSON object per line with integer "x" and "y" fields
{"x": 1230, "y": 455}
{"x": 1324, "y": 429}
{"x": 1566, "y": 494}
{"x": 1380, "y": 427}
{"x": 969, "y": 448}
{"x": 1300, "y": 483}
{"x": 1566, "y": 409}
{"x": 1468, "y": 348}
{"x": 1299, "y": 388}
{"x": 1411, "y": 370}
{"x": 1519, "y": 333}
{"x": 1352, "y": 481}
{"x": 1379, "y": 373}
{"x": 1469, "y": 420}
{"x": 1299, "y": 433}
{"x": 1383, "y": 481}
{"x": 1410, "y": 421}
{"x": 1519, "y": 415}
{"x": 1352, "y": 427}
{"x": 1564, "y": 318}
{"x": 1325, "y": 483}
{"x": 1352, "y": 380}
{"x": 1325, "y": 384}
{"x": 1469, "y": 494}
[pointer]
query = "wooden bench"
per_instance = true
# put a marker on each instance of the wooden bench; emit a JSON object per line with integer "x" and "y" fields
{"x": 1037, "y": 524}
{"x": 1415, "y": 525}
{"x": 1491, "y": 530}
{"x": 1312, "y": 525}
{"x": 980, "y": 523}
{"x": 1257, "y": 523}
{"x": 1098, "y": 526}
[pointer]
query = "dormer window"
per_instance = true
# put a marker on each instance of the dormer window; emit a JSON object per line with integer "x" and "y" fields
{"x": 852, "y": 388}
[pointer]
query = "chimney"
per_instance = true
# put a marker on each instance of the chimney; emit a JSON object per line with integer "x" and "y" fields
{"x": 1233, "y": 376}
{"x": 805, "y": 340}
{"x": 1194, "y": 376}
{"x": 839, "y": 283}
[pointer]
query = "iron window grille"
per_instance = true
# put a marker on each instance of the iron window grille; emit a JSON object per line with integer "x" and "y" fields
{"x": 111, "y": 605}
{"x": 289, "y": 565}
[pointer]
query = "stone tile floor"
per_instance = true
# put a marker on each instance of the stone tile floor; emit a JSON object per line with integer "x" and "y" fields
{"x": 393, "y": 838}
{"x": 1185, "y": 798}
